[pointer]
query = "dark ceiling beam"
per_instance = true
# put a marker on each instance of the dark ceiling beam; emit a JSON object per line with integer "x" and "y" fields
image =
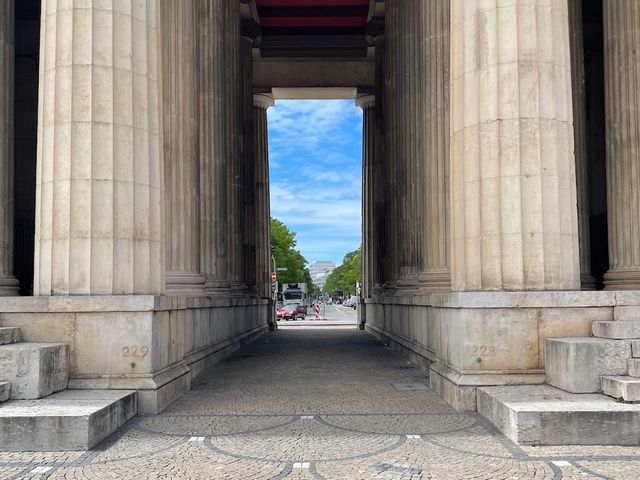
{"x": 305, "y": 73}
{"x": 314, "y": 22}
{"x": 311, "y": 3}
{"x": 354, "y": 11}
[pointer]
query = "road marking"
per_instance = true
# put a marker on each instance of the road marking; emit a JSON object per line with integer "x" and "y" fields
{"x": 414, "y": 437}
{"x": 306, "y": 417}
{"x": 561, "y": 463}
{"x": 301, "y": 465}
{"x": 196, "y": 439}
{"x": 340, "y": 312}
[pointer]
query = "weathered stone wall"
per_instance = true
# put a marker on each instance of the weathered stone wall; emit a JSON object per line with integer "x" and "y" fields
{"x": 155, "y": 345}
{"x": 468, "y": 339}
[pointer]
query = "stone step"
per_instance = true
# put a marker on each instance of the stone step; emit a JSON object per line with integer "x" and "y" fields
{"x": 634, "y": 367}
{"x": 69, "y": 420}
{"x": 544, "y": 415}
{"x": 622, "y": 387}
{"x": 575, "y": 364}
{"x": 35, "y": 370}
{"x": 10, "y": 335}
{"x": 5, "y": 390}
{"x": 619, "y": 330}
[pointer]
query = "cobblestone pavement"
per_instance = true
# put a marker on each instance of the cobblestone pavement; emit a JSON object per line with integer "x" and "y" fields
{"x": 318, "y": 404}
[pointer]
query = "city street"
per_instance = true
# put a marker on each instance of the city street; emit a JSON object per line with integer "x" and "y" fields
{"x": 330, "y": 316}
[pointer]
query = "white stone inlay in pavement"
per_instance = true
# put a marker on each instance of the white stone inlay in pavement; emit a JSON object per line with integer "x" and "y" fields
{"x": 41, "y": 470}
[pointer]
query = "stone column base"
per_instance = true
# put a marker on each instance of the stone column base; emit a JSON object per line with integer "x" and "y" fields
{"x": 471, "y": 339}
{"x": 153, "y": 344}
{"x": 9, "y": 286}
{"x": 622, "y": 280}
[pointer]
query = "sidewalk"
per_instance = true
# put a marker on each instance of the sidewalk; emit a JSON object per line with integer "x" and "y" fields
{"x": 318, "y": 404}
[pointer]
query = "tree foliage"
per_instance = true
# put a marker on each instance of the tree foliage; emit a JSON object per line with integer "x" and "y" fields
{"x": 344, "y": 277}
{"x": 283, "y": 248}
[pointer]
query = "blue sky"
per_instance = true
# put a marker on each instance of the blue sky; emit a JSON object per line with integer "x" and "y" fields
{"x": 315, "y": 157}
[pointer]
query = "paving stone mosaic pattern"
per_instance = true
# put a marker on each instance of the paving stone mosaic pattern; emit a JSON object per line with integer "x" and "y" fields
{"x": 317, "y": 404}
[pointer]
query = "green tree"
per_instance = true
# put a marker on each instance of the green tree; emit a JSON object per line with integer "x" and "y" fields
{"x": 344, "y": 278}
{"x": 283, "y": 248}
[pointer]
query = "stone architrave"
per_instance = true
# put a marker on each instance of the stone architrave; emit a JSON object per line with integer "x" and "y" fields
{"x": 179, "y": 121}
{"x": 99, "y": 188}
{"x": 261, "y": 102}
{"x": 514, "y": 218}
{"x": 622, "y": 117}
{"x": 8, "y": 283}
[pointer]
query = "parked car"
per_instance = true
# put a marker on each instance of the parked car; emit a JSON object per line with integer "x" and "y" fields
{"x": 352, "y": 302}
{"x": 291, "y": 311}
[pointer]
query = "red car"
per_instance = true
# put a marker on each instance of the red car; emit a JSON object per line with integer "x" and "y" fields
{"x": 290, "y": 312}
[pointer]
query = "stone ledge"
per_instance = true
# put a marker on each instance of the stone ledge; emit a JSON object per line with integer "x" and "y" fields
{"x": 576, "y": 364}
{"x": 529, "y": 299}
{"x": 543, "y": 415}
{"x": 35, "y": 370}
{"x": 623, "y": 387}
{"x": 616, "y": 330}
{"x": 118, "y": 303}
{"x": 10, "y": 335}
{"x": 5, "y": 391}
{"x": 69, "y": 420}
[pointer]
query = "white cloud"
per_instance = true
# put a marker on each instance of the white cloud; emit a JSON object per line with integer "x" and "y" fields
{"x": 315, "y": 159}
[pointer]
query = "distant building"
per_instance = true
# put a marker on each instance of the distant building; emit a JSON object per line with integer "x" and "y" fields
{"x": 319, "y": 271}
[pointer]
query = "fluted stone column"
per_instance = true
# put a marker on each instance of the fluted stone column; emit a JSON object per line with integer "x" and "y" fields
{"x": 248, "y": 166}
{"x": 406, "y": 149}
{"x": 514, "y": 219}
{"x": 433, "y": 28}
{"x": 392, "y": 167}
{"x": 217, "y": 27}
{"x": 99, "y": 190}
{"x": 8, "y": 283}
{"x": 261, "y": 102}
{"x": 622, "y": 116}
{"x": 381, "y": 214}
{"x": 580, "y": 139}
{"x": 182, "y": 209}
{"x": 418, "y": 42}
{"x": 369, "y": 159}
{"x": 235, "y": 170}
